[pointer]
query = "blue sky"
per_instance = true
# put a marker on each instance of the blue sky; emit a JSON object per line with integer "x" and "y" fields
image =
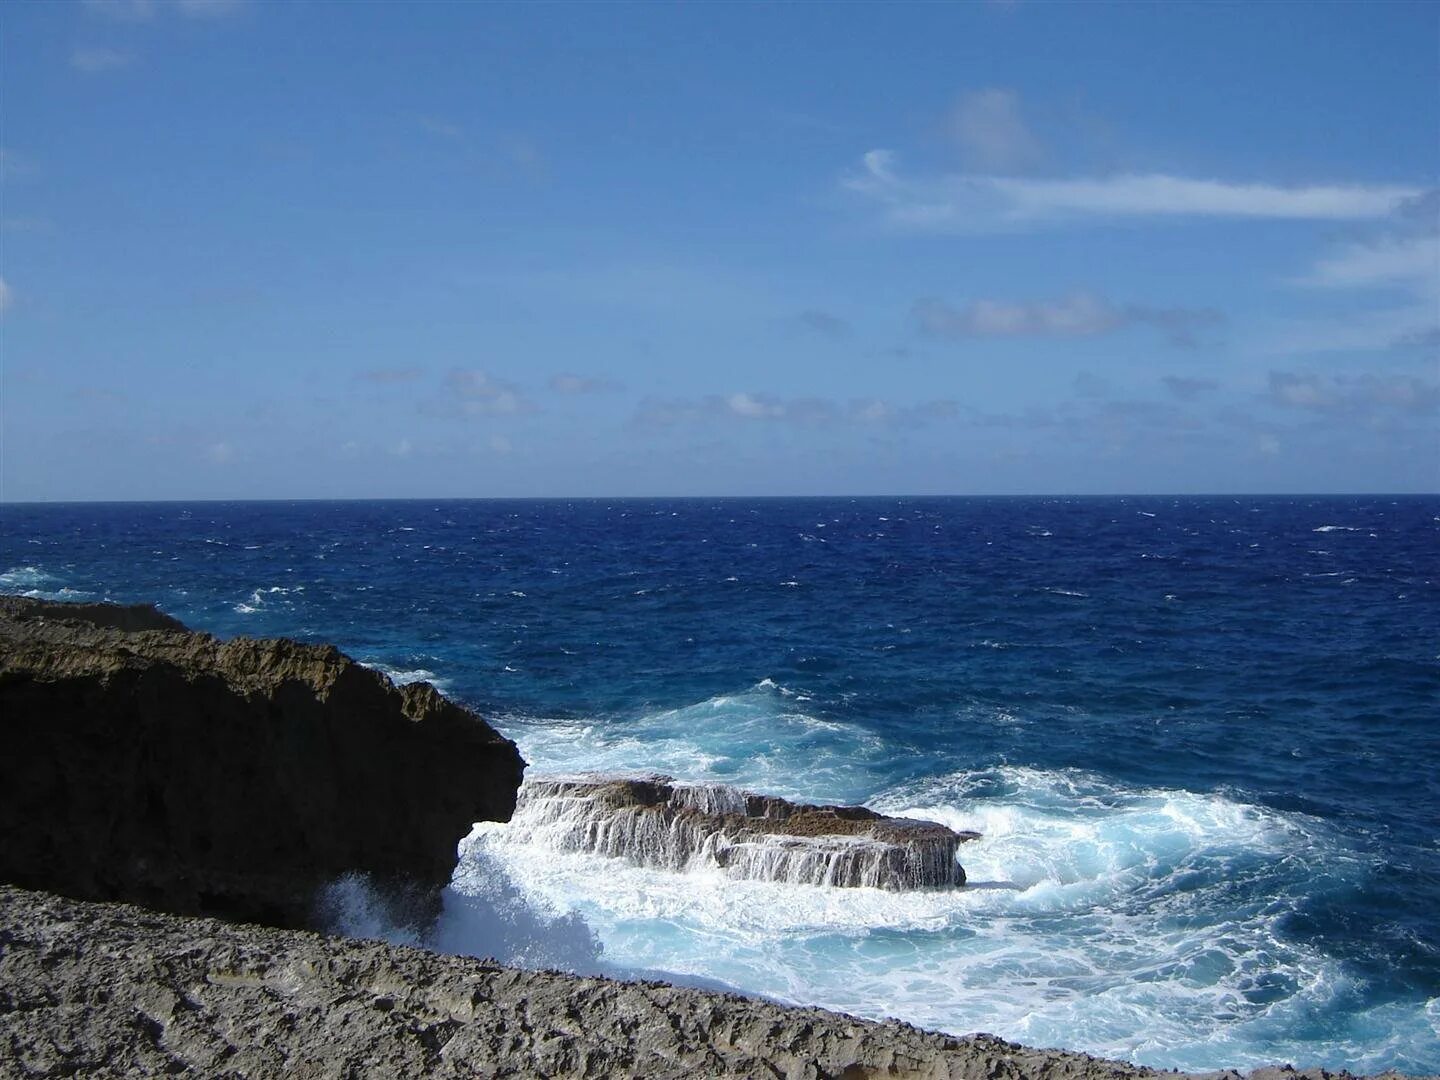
{"x": 380, "y": 250}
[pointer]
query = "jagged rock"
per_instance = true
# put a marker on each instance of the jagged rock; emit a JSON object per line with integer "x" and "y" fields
{"x": 658, "y": 821}
{"x": 111, "y": 990}
{"x": 144, "y": 762}
{"x": 108, "y": 990}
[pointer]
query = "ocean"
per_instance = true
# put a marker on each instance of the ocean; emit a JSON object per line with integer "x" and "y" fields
{"x": 1200, "y": 737}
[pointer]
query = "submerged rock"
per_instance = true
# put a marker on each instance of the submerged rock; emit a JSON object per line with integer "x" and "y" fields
{"x": 661, "y": 822}
{"x": 147, "y": 763}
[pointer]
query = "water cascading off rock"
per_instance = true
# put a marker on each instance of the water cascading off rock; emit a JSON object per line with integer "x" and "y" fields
{"x": 672, "y": 825}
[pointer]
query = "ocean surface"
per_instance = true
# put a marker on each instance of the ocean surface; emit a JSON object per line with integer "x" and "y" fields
{"x": 1200, "y": 736}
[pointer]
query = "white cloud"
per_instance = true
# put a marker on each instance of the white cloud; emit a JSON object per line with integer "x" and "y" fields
{"x": 1188, "y": 389}
{"x": 1080, "y": 314}
{"x": 968, "y": 202}
{"x": 123, "y": 10}
{"x": 93, "y": 60}
{"x": 754, "y": 408}
{"x": 800, "y": 412}
{"x": 402, "y": 449}
{"x": 480, "y": 395}
{"x": 1401, "y": 257}
{"x": 220, "y": 453}
{"x": 389, "y": 376}
{"x": 1355, "y": 393}
{"x": 144, "y": 10}
{"x": 992, "y": 133}
{"x": 567, "y": 383}
{"x": 499, "y": 444}
{"x": 436, "y": 125}
{"x": 208, "y": 9}
{"x": 1395, "y": 260}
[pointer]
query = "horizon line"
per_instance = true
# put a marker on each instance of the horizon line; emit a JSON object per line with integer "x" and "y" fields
{"x": 674, "y": 498}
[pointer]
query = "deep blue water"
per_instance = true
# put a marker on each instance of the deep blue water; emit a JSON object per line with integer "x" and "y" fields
{"x": 1200, "y": 735}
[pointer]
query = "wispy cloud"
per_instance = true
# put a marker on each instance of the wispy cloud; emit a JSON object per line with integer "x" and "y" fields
{"x": 476, "y": 393}
{"x": 7, "y": 298}
{"x": 123, "y": 10}
{"x": 389, "y": 376}
{"x": 1188, "y": 389}
{"x": 991, "y": 132}
{"x": 15, "y": 166}
{"x": 95, "y": 60}
{"x": 823, "y": 323}
{"x": 441, "y": 127}
{"x": 803, "y": 412}
{"x": 567, "y": 383}
{"x": 969, "y": 202}
{"x": 1354, "y": 394}
{"x": 221, "y": 453}
{"x": 1080, "y": 314}
{"x": 133, "y": 11}
{"x": 208, "y": 9}
{"x": 1391, "y": 260}
{"x": 1399, "y": 260}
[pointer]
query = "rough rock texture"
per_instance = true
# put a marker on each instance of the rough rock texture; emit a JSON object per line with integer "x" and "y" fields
{"x": 658, "y": 821}
{"x": 111, "y": 990}
{"x": 143, "y": 762}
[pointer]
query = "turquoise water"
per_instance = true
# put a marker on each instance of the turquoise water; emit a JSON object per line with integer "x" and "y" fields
{"x": 1199, "y": 735}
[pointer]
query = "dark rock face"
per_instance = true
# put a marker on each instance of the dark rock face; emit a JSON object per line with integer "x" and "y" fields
{"x": 656, "y": 821}
{"x": 146, "y": 763}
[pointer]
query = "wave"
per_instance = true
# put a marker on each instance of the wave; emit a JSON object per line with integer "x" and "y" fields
{"x": 1139, "y": 923}
{"x": 263, "y": 596}
{"x": 752, "y": 738}
{"x": 404, "y": 676}
{"x": 38, "y": 584}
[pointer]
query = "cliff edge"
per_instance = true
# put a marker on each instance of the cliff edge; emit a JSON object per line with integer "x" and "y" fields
{"x": 147, "y": 763}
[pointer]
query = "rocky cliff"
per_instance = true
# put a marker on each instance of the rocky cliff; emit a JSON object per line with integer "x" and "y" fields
{"x": 147, "y": 763}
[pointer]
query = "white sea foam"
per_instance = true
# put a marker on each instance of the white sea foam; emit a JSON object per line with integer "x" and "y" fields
{"x": 405, "y": 676}
{"x": 262, "y": 597}
{"x": 1336, "y": 528}
{"x": 38, "y": 584}
{"x": 754, "y": 738}
{"x": 1099, "y": 916}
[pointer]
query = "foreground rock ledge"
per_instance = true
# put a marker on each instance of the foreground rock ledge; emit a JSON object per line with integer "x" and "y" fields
{"x": 658, "y": 821}
{"x": 146, "y": 763}
{"x": 114, "y": 990}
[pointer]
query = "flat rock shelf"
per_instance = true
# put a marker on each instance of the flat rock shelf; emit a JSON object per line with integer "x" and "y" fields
{"x": 658, "y": 821}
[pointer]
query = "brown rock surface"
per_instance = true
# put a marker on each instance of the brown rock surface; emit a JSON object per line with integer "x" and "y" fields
{"x": 147, "y": 763}
{"x": 658, "y": 821}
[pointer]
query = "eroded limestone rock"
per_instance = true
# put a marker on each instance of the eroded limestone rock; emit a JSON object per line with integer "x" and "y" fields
{"x": 147, "y": 763}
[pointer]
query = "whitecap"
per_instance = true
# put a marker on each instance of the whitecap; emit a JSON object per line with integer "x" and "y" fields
{"x": 1102, "y": 917}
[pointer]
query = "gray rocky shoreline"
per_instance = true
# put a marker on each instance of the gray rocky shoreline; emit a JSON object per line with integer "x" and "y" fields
{"x": 116, "y": 990}
{"x": 169, "y": 805}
